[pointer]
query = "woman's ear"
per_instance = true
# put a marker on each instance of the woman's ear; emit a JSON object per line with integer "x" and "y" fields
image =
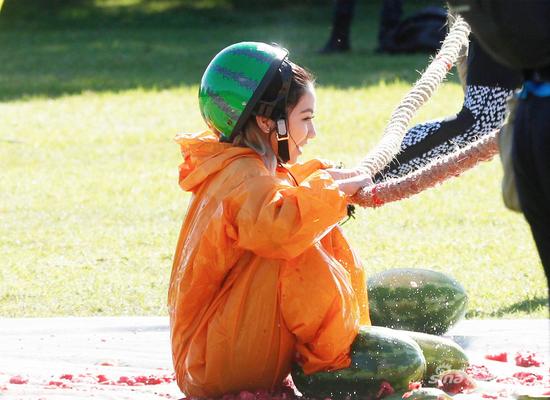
{"x": 265, "y": 124}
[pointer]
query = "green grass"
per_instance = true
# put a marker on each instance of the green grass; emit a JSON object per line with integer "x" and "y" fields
{"x": 90, "y": 209}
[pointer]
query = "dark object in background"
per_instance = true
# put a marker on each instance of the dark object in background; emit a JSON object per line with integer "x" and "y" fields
{"x": 423, "y": 31}
{"x": 515, "y": 33}
{"x": 390, "y": 15}
{"x": 341, "y": 22}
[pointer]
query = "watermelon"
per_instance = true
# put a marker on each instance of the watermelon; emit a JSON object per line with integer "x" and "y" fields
{"x": 441, "y": 354}
{"x": 421, "y": 394}
{"x": 416, "y": 300}
{"x": 377, "y": 355}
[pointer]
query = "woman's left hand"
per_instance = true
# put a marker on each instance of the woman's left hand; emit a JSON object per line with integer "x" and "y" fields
{"x": 343, "y": 173}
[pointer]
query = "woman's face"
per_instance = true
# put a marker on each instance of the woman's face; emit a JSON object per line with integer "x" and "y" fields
{"x": 300, "y": 125}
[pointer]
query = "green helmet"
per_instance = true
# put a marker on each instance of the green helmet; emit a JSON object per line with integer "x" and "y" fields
{"x": 234, "y": 82}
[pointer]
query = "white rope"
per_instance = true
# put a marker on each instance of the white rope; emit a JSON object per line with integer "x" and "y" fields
{"x": 422, "y": 90}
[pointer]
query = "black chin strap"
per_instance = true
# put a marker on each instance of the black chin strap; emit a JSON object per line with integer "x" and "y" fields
{"x": 282, "y": 119}
{"x": 276, "y": 110}
{"x": 282, "y": 141}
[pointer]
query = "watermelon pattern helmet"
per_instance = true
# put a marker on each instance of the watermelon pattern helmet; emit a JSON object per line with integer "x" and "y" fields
{"x": 234, "y": 82}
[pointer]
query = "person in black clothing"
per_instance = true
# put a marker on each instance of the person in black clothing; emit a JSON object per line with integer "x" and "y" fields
{"x": 342, "y": 16}
{"x": 518, "y": 36}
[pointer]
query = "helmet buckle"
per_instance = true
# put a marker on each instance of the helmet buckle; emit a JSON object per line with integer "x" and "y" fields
{"x": 282, "y": 133}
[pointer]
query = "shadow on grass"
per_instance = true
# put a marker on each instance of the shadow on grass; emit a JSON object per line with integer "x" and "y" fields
{"x": 103, "y": 50}
{"x": 525, "y": 306}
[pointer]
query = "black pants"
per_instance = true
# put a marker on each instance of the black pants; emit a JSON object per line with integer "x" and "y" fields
{"x": 343, "y": 15}
{"x": 531, "y": 159}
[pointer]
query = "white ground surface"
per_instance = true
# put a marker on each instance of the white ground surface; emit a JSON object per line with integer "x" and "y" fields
{"x": 43, "y": 349}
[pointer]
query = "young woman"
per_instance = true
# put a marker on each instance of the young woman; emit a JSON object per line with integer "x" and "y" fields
{"x": 262, "y": 275}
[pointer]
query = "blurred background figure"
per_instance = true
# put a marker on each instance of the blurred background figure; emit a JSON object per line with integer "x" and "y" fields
{"x": 341, "y": 23}
{"x": 421, "y": 32}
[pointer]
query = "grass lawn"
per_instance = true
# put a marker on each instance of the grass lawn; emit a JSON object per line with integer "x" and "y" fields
{"x": 90, "y": 208}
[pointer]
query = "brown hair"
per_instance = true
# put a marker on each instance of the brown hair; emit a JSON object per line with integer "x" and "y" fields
{"x": 301, "y": 79}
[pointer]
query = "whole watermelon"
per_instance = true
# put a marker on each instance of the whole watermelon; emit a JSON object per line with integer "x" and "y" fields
{"x": 377, "y": 355}
{"x": 441, "y": 354}
{"x": 413, "y": 299}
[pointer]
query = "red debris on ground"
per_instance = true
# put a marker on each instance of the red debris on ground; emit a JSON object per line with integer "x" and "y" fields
{"x": 489, "y": 396}
{"x": 287, "y": 391}
{"x": 385, "y": 390}
{"x": 18, "y": 380}
{"x": 456, "y": 382}
{"x": 528, "y": 359}
{"x": 412, "y": 387}
{"x": 522, "y": 378}
{"x": 140, "y": 380}
{"x": 479, "y": 372}
{"x": 529, "y": 376}
{"x": 59, "y": 384}
{"x": 526, "y": 379}
{"x": 502, "y": 357}
{"x": 68, "y": 377}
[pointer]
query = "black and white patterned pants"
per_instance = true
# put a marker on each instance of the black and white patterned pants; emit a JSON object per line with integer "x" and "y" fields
{"x": 484, "y": 110}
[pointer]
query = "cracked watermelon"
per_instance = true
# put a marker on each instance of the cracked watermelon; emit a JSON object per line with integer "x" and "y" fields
{"x": 377, "y": 355}
{"x": 416, "y": 300}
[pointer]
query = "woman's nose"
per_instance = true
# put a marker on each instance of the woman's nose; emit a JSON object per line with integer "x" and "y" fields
{"x": 311, "y": 133}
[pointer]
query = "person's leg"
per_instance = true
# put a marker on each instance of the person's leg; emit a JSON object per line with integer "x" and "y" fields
{"x": 390, "y": 16}
{"x": 339, "y": 40}
{"x": 530, "y": 153}
{"x": 488, "y": 86}
{"x": 484, "y": 110}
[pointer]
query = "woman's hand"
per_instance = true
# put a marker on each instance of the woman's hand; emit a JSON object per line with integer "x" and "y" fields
{"x": 351, "y": 185}
{"x": 343, "y": 173}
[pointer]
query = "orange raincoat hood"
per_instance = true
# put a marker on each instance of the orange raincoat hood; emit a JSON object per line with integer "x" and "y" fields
{"x": 204, "y": 155}
{"x": 262, "y": 275}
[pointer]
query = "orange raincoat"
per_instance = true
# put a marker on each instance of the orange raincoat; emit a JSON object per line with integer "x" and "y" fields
{"x": 262, "y": 274}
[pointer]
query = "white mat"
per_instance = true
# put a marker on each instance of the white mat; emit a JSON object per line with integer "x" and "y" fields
{"x": 117, "y": 349}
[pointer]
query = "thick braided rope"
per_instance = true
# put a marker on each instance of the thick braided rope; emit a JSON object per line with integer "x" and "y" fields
{"x": 436, "y": 172}
{"x": 422, "y": 90}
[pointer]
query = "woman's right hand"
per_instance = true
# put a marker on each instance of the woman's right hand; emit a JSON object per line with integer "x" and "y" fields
{"x": 351, "y": 185}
